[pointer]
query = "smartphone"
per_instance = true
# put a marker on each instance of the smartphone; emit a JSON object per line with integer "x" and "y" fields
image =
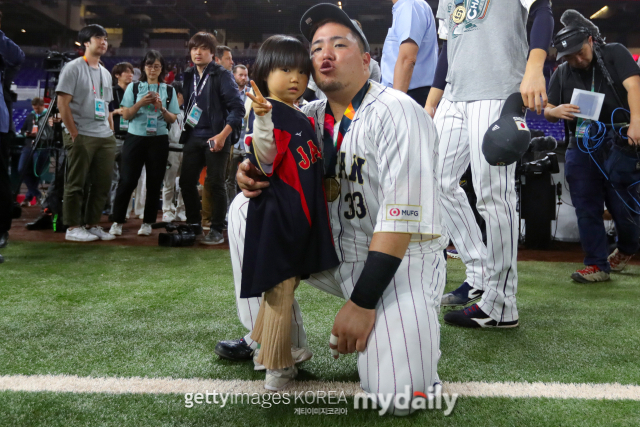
{"x": 212, "y": 143}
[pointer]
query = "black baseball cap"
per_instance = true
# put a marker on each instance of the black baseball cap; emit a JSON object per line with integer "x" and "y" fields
{"x": 508, "y": 138}
{"x": 570, "y": 40}
{"x": 322, "y": 11}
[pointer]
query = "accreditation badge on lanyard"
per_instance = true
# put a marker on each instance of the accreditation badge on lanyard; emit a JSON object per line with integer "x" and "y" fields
{"x": 194, "y": 116}
{"x": 152, "y": 123}
{"x": 152, "y": 118}
{"x": 583, "y": 124}
{"x": 124, "y": 124}
{"x": 196, "y": 112}
{"x": 100, "y": 105}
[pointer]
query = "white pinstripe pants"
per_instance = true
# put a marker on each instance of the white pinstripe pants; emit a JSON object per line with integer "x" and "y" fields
{"x": 493, "y": 268}
{"x": 404, "y": 346}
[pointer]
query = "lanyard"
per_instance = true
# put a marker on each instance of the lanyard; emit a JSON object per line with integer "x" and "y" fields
{"x": 332, "y": 148}
{"x": 117, "y": 93}
{"x": 93, "y": 86}
{"x": 201, "y": 85}
{"x": 152, "y": 107}
{"x": 582, "y": 124}
{"x": 38, "y": 116}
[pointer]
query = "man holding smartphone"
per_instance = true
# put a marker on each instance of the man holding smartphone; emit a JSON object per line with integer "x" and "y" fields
{"x": 213, "y": 109}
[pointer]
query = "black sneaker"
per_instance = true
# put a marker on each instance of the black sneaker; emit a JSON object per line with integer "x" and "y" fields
{"x": 4, "y": 239}
{"x": 44, "y": 222}
{"x": 473, "y": 317}
{"x": 213, "y": 238}
{"x": 464, "y": 295}
{"x": 237, "y": 350}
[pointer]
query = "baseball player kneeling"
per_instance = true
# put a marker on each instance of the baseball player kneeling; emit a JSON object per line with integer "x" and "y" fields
{"x": 380, "y": 152}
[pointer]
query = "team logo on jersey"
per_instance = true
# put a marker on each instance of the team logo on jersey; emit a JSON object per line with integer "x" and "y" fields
{"x": 521, "y": 124}
{"x": 459, "y": 14}
{"x": 403, "y": 213}
{"x": 463, "y": 17}
{"x": 316, "y": 154}
{"x": 477, "y": 9}
{"x": 355, "y": 174}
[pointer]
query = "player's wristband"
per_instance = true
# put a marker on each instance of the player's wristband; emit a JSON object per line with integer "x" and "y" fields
{"x": 378, "y": 271}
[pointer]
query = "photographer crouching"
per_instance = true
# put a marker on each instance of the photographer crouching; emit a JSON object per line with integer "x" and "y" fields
{"x": 592, "y": 65}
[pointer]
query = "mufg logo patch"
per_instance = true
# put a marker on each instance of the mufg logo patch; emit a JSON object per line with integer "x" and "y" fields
{"x": 403, "y": 213}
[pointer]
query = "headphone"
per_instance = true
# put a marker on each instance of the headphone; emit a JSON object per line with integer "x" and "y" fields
{"x": 570, "y": 32}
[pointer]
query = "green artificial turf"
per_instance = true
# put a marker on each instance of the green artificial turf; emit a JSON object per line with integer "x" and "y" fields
{"x": 158, "y": 312}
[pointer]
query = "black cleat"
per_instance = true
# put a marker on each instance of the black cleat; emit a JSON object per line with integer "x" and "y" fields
{"x": 4, "y": 239}
{"x": 473, "y": 317}
{"x": 236, "y": 350}
{"x": 464, "y": 295}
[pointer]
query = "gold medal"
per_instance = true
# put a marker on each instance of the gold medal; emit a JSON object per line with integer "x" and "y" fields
{"x": 459, "y": 14}
{"x": 331, "y": 189}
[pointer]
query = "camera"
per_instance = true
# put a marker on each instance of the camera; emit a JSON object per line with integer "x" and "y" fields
{"x": 180, "y": 235}
{"x": 549, "y": 163}
{"x": 54, "y": 61}
{"x": 537, "y": 191}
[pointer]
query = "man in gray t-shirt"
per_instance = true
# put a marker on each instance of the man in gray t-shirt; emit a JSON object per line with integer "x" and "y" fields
{"x": 483, "y": 61}
{"x": 84, "y": 93}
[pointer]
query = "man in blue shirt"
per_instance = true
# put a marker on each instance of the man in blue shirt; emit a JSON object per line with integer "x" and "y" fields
{"x": 411, "y": 45}
{"x": 11, "y": 56}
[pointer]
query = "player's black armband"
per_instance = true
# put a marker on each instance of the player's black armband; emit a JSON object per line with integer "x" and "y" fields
{"x": 378, "y": 271}
{"x": 542, "y": 27}
{"x": 442, "y": 67}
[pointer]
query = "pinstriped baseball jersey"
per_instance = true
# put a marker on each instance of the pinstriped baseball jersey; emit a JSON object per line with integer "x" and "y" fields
{"x": 386, "y": 166}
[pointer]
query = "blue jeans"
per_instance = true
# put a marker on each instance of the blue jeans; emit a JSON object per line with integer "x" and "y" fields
{"x": 589, "y": 193}
{"x": 26, "y": 165}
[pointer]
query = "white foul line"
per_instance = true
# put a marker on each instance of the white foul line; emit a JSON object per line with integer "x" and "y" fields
{"x": 138, "y": 385}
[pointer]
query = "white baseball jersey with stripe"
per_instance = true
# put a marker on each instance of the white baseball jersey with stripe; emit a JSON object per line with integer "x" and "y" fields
{"x": 387, "y": 184}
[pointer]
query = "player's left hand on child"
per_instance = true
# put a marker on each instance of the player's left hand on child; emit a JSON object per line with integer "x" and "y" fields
{"x": 260, "y": 105}
{"x": 352, "y": 327}
{"x": 534, "y": 91}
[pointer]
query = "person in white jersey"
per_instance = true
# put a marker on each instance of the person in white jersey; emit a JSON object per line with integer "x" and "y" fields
{"x": 483, "y": 61}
